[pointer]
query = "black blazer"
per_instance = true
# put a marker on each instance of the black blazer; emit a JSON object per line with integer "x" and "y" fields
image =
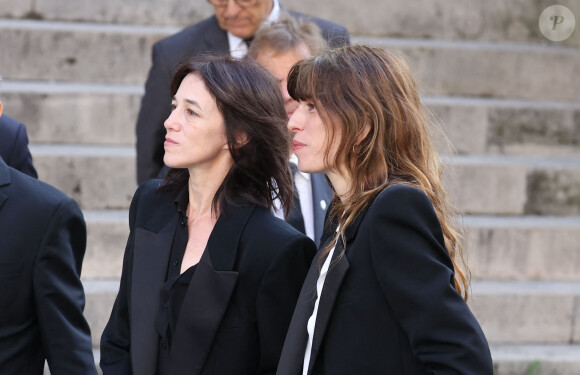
{"x": 14, "y": 146}
{"x": 389, "y": 306}
{"x": 205, "y": 37}
{"x": 42, "y": 245}
{"x": 238, "y": 305}
{"x": 321, "y": 197}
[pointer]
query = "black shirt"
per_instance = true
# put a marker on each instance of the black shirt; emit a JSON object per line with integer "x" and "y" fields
{"x": 175, "y": 287}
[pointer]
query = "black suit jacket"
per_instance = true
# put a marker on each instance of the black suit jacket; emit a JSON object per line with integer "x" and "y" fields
{"x": 389, "y": 305}
{"x": 42, "y": 245}
{"x": 14, "y": 146}
{"x": 238, "y": 305}
{"x": 321, "y": 197}
{"x": 205, "y": 37}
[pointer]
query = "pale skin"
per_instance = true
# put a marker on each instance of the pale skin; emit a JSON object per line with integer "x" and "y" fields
{"x": 279, "y": 64}
{"x": 196, "y": 140}
{"x": 310, "y": 142}
{"x": 243, "y": 22}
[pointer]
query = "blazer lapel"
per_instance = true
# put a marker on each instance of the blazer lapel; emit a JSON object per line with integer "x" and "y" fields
{"x": 332, "y": 283}
{"x": 150, "y": 261}
{"x": 208, "y": 295}
{"x": 292, "y": 357}
{"x": 321, "y": 197}
{"x": 216, "y": 39}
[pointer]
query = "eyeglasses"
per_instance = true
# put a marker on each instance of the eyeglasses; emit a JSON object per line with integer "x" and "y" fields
{"x": 223, "y": 3}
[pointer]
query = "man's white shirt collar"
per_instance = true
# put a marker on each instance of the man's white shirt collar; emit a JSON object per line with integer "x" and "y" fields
{"x": 238, "y": 47}
{"x": 294, "y": 159}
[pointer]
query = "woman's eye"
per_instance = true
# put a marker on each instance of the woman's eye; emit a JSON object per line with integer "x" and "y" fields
{"x": 173, "y": 106}
{"x": 190, "y": 112}
{"x": 310, "y": 106}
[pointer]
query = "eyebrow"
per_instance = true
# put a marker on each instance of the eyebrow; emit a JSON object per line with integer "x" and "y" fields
{"x": 190, "y": 101}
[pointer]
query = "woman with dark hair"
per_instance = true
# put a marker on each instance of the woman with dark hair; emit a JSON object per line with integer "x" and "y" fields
{"x": 210, "y": 276}
{"x": 386, "y": 292}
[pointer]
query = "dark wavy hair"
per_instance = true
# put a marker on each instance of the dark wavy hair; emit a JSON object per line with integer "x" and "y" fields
{"x": 250, "y": 102}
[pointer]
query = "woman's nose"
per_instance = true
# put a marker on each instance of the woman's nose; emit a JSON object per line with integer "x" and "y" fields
{"x": 170, "y": 122}
{"x": 295, "y": 121}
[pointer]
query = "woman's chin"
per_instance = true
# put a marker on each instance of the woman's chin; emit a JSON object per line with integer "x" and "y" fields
{"x": 172, "y": 163}
{"x": 307, "y": 168}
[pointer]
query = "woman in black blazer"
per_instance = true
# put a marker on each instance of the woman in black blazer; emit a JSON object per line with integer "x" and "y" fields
{"x": 210, "y": 276}
{"x": 386, "y": 292}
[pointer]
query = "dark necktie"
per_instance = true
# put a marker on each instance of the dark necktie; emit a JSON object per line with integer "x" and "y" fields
{"x": 248, "y": 41}
{"x": 295, "y": 217}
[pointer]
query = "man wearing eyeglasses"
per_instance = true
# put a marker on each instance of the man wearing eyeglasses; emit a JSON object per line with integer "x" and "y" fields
{"x": 229, "y": 31}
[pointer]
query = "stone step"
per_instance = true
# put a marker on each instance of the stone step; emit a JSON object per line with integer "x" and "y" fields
{"x": 158, "y": 12}
{"x": 527, "y": 312}
{"x": 496, "y": 248}
{"x": 77, "y": 52}
{"x": 509, "y": 312}
{"x": 106, "y": 114}
{"x": 488, "y": 20}
{"x": 100, "y": 297}
{"x": 97, "y": 177}
{"x": 536, "y": 359}
{"x": 502, "y": 70}
{"x": 506, "y": 126}
{"x": 74, "y": 113}
{"x": 107, "y": 233}
{"x": 513, "y": 185}
{"x": 492, "y": 20}
{"x": 103, "y": 177}
{"x": 449, "y": 68}
{"x": 523, "y": 248}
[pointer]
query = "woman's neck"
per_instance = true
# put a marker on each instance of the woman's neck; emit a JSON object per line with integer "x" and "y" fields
{"x": 202, "y": 187}
{"x": 341, "y": 183}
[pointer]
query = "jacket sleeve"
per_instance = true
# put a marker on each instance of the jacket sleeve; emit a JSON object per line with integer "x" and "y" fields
{"x": 116, "y": 337}
{"x": 59, "y": 295}
{"x": 154, "y": 110}
{"x": 277, "y": 298}
{"x": 415, "y": 274}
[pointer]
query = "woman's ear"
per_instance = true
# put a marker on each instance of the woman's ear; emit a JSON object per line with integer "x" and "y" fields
{"x": 241, "y": 139}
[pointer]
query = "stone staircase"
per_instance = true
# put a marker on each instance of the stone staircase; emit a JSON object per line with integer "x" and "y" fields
{"x": 507, "y": 98}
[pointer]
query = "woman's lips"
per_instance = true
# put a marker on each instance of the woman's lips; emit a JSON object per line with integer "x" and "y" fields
{"x": 297, "y": 145}
{"x": 169, "y": 142}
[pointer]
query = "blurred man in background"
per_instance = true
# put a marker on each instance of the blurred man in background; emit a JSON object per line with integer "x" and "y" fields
{"x": 229, "y": 31}
{"x": 42, "y": 245}
{"x": 277, "y": 46}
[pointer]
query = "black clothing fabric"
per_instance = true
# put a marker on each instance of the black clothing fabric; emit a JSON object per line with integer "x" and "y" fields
{"x": 237, "y": 307}
{"x": 389, "y": 304}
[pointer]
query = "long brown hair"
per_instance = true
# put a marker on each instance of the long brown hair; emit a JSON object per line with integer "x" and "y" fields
{"x": 359, "y": 89}
{"x": 249, "y": 99}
